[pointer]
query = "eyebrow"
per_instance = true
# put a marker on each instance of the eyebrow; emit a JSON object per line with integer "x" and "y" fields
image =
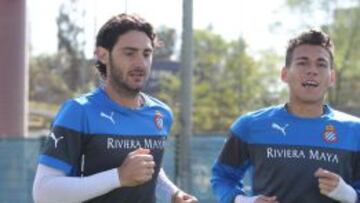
{"x": 307, "y": 58}
{"x": 322, "y": 60}
{"x": 136, "y": 49}
{"x": 302, "y": 58}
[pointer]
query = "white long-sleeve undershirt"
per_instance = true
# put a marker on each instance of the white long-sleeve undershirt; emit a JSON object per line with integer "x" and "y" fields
{"x": 53, "y": 186}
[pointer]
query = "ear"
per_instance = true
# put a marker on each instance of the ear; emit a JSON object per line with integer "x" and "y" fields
{"x": 102, "y": 54}
{"x": 332, "y": 77}
{"x": 284, "y": 74}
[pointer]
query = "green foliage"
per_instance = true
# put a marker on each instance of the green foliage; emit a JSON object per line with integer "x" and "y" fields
{"x": 46, "y": 84}
{"x": 210, "y": 52}
{"x": 227, "y": 82}
{"x": 346, "y": 35}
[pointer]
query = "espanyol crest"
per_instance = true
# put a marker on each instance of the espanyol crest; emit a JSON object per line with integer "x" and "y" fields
{"x": 159, "y": 120}
{"x": 329, "y": 135}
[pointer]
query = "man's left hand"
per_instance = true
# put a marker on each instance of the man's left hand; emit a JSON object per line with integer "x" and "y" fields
{"x": 328, "y": 181}
{"x": 332, "y": 185}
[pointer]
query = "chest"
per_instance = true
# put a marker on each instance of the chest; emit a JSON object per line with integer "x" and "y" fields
{"x": 110, "y": 136}
{"x": 299, "y": 149}
{"x": 103, "y": 152}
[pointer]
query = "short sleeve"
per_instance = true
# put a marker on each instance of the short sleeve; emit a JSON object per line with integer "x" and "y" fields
{"x": 63, "y": 146}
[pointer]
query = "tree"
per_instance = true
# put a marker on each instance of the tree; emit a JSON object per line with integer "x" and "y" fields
{"x": 248, "y": 84}
{"x": 53, "y": 78}
{"x": 71, "y": 45}
{"x": 210, "y": 53}
{"x": 46, "y": 84}
{"x": 227, "y": 82}
{"x": 346, "y": 35}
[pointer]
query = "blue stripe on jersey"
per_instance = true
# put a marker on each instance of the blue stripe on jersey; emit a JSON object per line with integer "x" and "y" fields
{"x": 96, "y": 113}
{"x": 69, "y": 109}
{"x": 227, "y": 189}
{"x": 55, "y": 163}
{"x": 276, "y": 126}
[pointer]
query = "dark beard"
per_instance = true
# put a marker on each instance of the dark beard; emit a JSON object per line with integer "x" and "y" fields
{"x": 116, "y": 81}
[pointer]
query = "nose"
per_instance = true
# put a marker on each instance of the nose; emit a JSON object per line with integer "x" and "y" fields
{"x": 140, "y": 61}
{"x": 312, "y": 69}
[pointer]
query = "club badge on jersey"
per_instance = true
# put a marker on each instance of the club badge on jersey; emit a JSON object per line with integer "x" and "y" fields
{"x": 159, "y": 120}
{"x": 330, "y": 134}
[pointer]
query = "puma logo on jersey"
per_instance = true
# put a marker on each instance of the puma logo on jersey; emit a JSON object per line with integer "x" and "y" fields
{"x": 110, "y": 117}
{"x": 278, "y": 127}
{"x": 56, "y": 140}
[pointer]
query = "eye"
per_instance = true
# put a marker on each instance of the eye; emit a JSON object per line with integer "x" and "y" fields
{"x": 323, "y": 65}
{"x": 129, "y": 53}
{"x": 301, "y": 63}
{"x": 147, "y": 54}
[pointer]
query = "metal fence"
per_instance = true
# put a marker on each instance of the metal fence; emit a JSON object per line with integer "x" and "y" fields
{"x": 17, "y": 166}
{"x": 18, "y": 160}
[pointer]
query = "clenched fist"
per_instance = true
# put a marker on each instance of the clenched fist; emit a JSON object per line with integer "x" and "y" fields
{"x": 137, "y": 168}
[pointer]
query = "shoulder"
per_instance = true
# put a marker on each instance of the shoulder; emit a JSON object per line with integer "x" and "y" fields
{"x": 343, "y": 117}
{"x": 76, "y": 105}
{"x": 258, "y": 115}
{"x": 72, "y": 111}
{"x": 243, "y": 122}
{"x": 156, "y": 103}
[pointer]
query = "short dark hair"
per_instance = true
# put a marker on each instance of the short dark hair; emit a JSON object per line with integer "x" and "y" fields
{"x": 311, "y": 37}
{"x": 117, "y": 26}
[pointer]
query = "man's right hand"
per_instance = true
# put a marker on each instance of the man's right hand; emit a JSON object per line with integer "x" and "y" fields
{"x": 137, "y": 168}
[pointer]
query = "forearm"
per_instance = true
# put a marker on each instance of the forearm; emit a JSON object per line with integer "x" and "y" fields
{"x": 226, "y": 193}
{"x": 343, "y": 193}
{"x": 165, "y": 188}
{"x": 52, "y": 186}
{"x": 225, "y": 182}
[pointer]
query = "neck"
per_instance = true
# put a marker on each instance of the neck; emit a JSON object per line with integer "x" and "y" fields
{"x": 123, "y": 98}
{"x": 305, "y": 111}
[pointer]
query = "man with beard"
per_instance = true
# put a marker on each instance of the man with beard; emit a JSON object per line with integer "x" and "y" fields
{"x": 107, "y": 145}
{"x": 300, "y": 152}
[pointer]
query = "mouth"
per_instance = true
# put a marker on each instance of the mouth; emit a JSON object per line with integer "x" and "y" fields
{"x": 310, "y": 83}
{"x": 137, "y": 73}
